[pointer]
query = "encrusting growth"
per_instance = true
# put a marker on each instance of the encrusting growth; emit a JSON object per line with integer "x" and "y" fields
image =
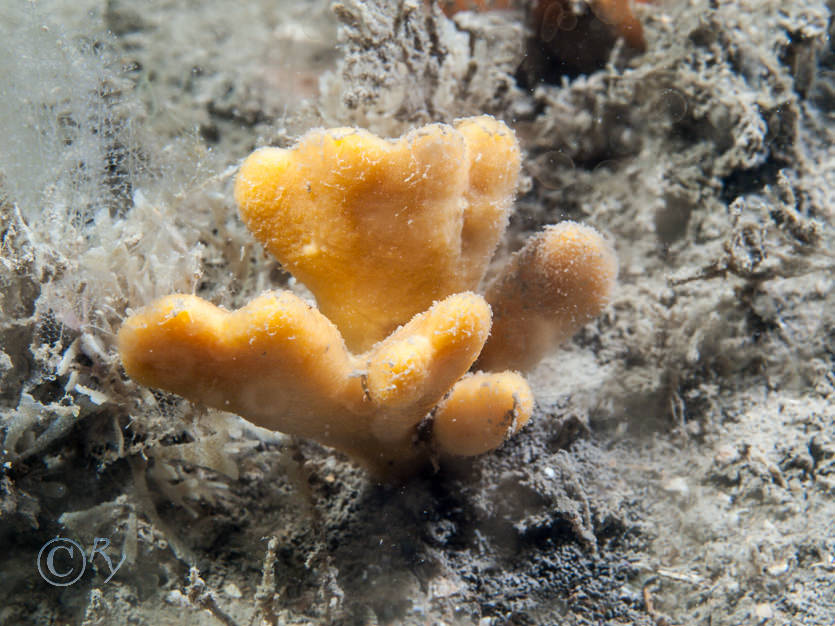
{"x": 392, "y": 237}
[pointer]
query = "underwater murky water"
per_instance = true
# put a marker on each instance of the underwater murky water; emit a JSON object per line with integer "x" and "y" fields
{"x": 385, "y": 312}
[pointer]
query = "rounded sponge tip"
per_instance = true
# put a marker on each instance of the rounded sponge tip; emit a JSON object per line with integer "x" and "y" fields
{"x": 480, "y": 412}
{"x": 561, "y": 279}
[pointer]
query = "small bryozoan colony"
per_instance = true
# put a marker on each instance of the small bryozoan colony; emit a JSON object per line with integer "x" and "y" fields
{"x": 402, "y": 361}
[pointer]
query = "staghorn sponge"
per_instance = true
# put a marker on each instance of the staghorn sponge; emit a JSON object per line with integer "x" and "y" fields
{"x": 279, "y": 363}
{"x": 380, "y": 229}
{"x": 559, "y": 280}
{"x": 384, "y": 233}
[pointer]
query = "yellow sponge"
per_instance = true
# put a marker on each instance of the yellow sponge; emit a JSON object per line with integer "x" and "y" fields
{"x": 380, "y": 229}
{"x": 560, "y": 279}
{"x": 392, "y": 237}
{"x": 282, "y": 365}
{"x": 482, "y": 410}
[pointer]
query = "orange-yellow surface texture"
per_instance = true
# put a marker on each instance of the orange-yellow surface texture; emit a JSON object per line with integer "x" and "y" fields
{"x": 279, "y": 363}
{"x": 379, "y": 229}
{"x": 392, "y": 237}
{"x": 560, "y": 279}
